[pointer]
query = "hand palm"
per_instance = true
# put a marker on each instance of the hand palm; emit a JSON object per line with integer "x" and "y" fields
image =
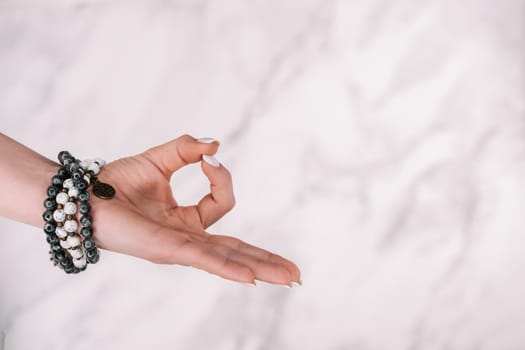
{"x": 145, "y": 220}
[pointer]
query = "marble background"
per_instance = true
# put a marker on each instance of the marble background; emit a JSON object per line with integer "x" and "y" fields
{"x": 378, "y": 144}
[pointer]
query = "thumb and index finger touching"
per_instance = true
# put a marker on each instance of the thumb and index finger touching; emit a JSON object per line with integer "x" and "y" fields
{"x": 185, "y": 150}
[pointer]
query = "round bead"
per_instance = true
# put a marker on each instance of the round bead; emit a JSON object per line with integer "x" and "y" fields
{"x": 70, "y": 208}
{"x": 61, "y": 232}
{"x": 48, "y": 215}
{"x": 87, "y": 179}
{"x": 76, "y": 253}
{"x": 55, "y": 247}
{"x": 59, "y": 256}
{"x": 86, "y": 220}
{"x": 89, "y": 243}
{"x": 80, "y": 263}
{"x": 101, "y": 162}
{"x": 62, "y": 172}
{"x": 91, "y": 253}
{"x": 86, "y": 232}
{"x": 67, "y": 162}
{"x": 83, "y": 196}
{"x": 77, "y": 175}
{"x": 70, "y": 225}
{"x": 52, "y": 239}
{"x": 84, "y": 163}
{"x": 52, "y": 191}
{"x": 68, "y": 183}
{"x": 65, "y": 244}
{"x": 94, "y": 167}
{"x": 50, "y": 203}
{"x": 57, "y": 180}
{"x": 62, "y": 198}
{"x": 71, "y": 168}
{"x": 81, "y": 184}
{"x": 84, "y": 208}
{"x": 73, "y": 192}
{"x": 73, "y": 241}
{"x": 62, "y": 155}
{"x": 94, "y": 259}
{"x": 59, "y": 215}
{"x": 49, "y": 228}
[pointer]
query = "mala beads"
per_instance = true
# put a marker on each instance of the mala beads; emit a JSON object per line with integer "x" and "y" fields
{"x": 71, "y": 240}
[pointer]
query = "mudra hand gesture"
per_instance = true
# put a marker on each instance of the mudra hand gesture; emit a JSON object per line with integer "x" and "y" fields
{"x": 145, "y": 220}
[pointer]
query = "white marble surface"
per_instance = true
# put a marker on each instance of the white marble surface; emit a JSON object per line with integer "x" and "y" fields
{"x": 379, "y": 144}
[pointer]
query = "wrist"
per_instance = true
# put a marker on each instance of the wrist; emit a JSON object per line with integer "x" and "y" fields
{"x": 24, "y": 178}
{"x": 29, "y": 208}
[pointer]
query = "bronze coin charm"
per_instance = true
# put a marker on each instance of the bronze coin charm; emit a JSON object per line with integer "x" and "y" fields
{"x": 103, "y": 190}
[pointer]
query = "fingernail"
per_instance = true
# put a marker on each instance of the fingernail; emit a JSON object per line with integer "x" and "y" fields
{"x": 251, "y": 284}
{"x": 211, "y": 160}
{"x": 206, "y": 140}
{"x": 297, "y": 284}
{"x": 285, "y": 285}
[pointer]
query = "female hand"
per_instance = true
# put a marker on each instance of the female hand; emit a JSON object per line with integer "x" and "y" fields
{"x": 144, "y": 219}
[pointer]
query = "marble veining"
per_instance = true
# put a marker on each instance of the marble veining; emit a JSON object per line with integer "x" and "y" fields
{"x": 378, "y": 144}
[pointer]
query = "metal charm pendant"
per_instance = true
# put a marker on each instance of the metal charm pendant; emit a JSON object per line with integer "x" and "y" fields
{"x": 103, "y": 190}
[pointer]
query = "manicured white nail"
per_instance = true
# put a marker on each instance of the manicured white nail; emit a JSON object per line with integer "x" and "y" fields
{"x": 296, "y": 284}
{"x": 251, "y": 284}
{"x": 285, "y": 285}
{"x": 211, "y": 160}
{"x": 206, "y": 140}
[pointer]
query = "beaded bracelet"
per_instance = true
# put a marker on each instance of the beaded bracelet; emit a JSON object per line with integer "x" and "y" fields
{"x": 55, "y": 230}
{"x": 67, "y": 195}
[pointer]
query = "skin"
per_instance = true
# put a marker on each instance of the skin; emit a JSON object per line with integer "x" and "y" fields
{"x": 144, "y": 219}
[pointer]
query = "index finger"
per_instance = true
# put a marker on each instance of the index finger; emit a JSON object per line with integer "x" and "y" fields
{"x": 184, "y": 150}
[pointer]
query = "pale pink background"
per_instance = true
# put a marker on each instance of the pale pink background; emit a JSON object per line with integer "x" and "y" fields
{"x": 379, "y": 144}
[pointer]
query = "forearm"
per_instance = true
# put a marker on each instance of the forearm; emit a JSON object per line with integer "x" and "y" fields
{"x": 24, "y": 178}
